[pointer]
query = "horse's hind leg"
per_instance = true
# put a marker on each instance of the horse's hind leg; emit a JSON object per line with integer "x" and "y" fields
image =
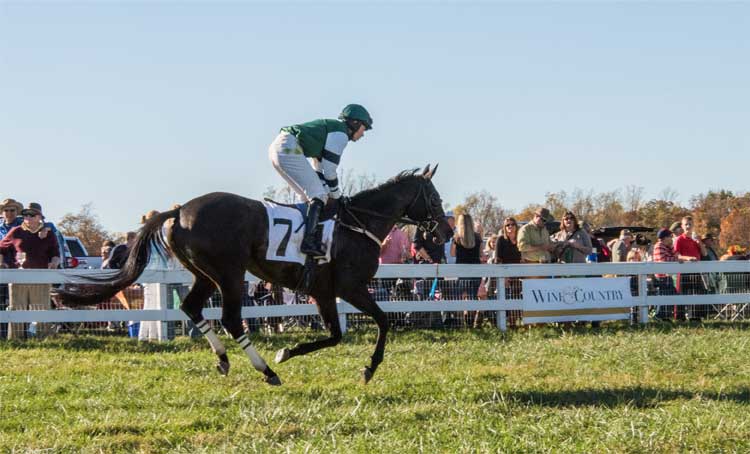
{"x": 362, "y": 300}
{"x": 192, "y": 305}
{"x": 231, "y": 320}
{"x": 327, "y": 310}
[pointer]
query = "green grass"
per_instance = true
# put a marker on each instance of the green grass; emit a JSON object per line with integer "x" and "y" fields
{"x": 619, "y": 389}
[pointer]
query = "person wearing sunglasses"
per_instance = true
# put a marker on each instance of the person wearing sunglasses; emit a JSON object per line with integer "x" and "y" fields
{"x": 576, "y": 243}
{"x": 30, "y": 252}
{"x": 533, "y": 238}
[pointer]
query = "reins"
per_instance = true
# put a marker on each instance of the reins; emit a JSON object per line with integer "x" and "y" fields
{"x": 428, "y": 225}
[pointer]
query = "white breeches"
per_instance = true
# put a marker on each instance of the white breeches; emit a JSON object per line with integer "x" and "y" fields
{"x": 287, "y": 158}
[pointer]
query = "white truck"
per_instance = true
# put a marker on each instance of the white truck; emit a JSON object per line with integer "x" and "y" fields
{"x": 76, "y": 255}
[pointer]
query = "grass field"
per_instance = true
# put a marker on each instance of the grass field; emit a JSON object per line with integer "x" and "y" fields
{"x": 618, "y": 389}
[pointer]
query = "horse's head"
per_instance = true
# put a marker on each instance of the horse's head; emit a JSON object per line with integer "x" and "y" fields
{"x": 427, "y": 208}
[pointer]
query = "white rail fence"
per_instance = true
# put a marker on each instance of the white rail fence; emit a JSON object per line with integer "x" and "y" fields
{"x": 499, "y": 304}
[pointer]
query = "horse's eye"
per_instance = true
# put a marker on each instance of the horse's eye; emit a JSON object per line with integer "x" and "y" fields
{"x": 435, "y": 200}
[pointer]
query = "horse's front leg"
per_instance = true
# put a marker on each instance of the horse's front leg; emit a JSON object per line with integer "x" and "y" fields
{"x": 330, "y": 316}
{"x": 360, "y": 298}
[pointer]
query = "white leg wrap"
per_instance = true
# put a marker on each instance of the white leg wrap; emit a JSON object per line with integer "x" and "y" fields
{"x": 258, "y": 363}
{"x": 213, "y": 339}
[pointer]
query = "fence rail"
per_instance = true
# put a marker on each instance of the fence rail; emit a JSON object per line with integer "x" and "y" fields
{"x": 640, "y": 271}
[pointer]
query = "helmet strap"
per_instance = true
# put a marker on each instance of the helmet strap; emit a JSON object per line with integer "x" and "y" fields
{"x": 352, "y": 126}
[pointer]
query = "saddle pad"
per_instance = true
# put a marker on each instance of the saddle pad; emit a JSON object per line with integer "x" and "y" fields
{"x": 285, "y": 232}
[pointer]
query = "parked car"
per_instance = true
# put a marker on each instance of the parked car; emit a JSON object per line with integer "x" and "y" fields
{"x": 76, "y": 255}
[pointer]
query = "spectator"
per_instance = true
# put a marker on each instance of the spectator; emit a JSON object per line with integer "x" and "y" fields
{"x": 489, "y": 248}
{"x": 689, "y": 250}
{"x": 663, "y": 252}
{"x": 676, "y": 229}
{"x": 31, "y": 252}
{"x": 506, "y": 252}
{"x": 534, "y": 240}
{"x": 621, "y": 246}
{"x": 713, "y": 282}
{"x": 106, "y": 252}
{"x": 449, "y": 259}
{"x": 466, "y": 249}
{"x": 395, "y": 250}
{"x": 120, "y": 252}
{"x": 685, "y": 245}
{"x": 426, "y": 249}
{"x": 709, "y": 247}
{"x": 11, "y": 218}
{"x": 575, "y": 242}
{"x": 639, "y": 249}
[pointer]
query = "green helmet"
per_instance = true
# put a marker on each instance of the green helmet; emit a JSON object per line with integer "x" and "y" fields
{"x": 357, "y": 112}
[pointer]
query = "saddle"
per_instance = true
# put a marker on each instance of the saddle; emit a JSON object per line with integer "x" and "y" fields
{"x": 286, "y": 227}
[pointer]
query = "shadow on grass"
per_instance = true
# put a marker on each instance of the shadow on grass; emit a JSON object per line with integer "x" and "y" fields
{"x": 639, "y": 397}
{"x": 359, "y": 336}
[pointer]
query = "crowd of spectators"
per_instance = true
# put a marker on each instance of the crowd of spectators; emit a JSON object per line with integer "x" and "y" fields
{"x": 574, "y": 242}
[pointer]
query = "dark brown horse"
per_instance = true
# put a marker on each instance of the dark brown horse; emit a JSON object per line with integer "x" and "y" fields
{"x": 220, "y": 236}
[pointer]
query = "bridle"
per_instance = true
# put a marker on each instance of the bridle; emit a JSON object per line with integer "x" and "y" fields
{"x": 428, "y": 225}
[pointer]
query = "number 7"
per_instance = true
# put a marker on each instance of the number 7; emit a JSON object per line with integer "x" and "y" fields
{"x": 281, "y": 251}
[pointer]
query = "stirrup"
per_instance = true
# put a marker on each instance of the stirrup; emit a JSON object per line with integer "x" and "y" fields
{"x": 313, "y": 252}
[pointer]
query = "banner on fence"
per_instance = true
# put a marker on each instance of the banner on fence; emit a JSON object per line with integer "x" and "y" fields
{"x": 568, "y": 300}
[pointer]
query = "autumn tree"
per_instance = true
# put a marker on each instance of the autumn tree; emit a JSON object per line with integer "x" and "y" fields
{"x": 710, "y": 208}
{"x": 735, "y": 228}
{"x": 84, "y": 225}
{"x": 659, "y": 213}
{"x": 485, "y": 208}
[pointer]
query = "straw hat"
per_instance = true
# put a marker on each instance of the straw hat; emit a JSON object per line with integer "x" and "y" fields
{"x": 11, "y": 203}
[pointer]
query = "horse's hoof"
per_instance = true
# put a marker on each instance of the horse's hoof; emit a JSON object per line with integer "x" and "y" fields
{"x": 222, "y": 367}
{"x": 366, "y": 374}
{"x": 282, "y": 355}
{"x": 274, "y": 380}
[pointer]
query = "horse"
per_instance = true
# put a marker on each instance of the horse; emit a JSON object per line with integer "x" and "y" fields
{"x": 219, "y": 236}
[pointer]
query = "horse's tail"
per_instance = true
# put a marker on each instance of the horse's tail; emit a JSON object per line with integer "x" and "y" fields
{"x": 149, "y": 239}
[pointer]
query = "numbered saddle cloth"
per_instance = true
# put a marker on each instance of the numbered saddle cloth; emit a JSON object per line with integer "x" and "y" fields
{"x": 285, "y": 231}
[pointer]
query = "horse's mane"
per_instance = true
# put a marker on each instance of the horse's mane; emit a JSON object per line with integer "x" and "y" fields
{"x": 402, "y": 176}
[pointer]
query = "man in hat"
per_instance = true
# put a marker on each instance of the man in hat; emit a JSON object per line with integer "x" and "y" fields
{"x": 709, "y": 247}
{"x": 622, "y": 246}
{"x": 29, "y": 251}
{"x": 533, "y": 238}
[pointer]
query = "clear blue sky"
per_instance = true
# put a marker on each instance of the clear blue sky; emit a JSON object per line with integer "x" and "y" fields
{"x": 136, "y": 106}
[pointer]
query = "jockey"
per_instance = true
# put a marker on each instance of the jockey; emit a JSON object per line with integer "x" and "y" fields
{"x": 307, "y": 155}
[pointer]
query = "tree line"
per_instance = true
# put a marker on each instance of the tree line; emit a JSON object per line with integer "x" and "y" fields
{"x": 720, "y": 212}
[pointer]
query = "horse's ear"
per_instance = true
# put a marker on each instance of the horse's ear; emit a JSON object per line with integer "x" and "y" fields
{"x": 430, "y": 173}
{"x": 434, "y": 169}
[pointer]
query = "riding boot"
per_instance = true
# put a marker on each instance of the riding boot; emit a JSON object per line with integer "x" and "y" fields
{"x": 310, "y": 243}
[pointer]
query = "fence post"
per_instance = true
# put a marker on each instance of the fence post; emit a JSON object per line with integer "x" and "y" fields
{"x": 342, "y": 318}
{"x": 502, "y": 321}
{"x": 643, "y": 293}
{"x": 161, "y": 301}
